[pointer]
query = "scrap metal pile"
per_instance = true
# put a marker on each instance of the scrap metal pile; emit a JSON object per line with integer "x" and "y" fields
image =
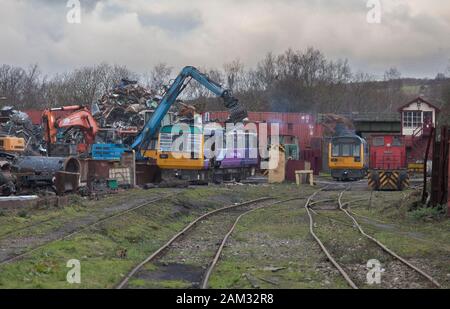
{"x": 122, "y": 107}
{"x": 117, "y": 118}
{"x": 18, "y": 124}
{"x": 72, "y": 142}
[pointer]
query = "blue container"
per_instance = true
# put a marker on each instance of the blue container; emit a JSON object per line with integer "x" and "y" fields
{"x": 111, "y": 152}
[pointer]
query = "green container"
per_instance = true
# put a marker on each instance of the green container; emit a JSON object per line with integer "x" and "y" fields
{"x": 113, "y": 184}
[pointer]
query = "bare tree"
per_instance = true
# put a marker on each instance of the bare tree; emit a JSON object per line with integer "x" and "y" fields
{"x": 112, "y": 75}
{"x": 393, "y": 88}
{"x": 266, "y": 73}
{"x": 11, "y": 84}
{"x": 234, "y": 75}
{"x": 159, "y": 76}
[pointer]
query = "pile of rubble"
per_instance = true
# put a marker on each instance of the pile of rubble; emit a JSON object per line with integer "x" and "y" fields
{"x": 123, "y": 105}
{"x": 17, "y": 123}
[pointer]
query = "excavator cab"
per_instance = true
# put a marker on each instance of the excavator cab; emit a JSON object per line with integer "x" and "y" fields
{"x": 70, "y": 134}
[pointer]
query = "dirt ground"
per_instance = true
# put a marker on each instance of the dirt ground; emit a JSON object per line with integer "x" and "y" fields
{"x": 271, "y": 248}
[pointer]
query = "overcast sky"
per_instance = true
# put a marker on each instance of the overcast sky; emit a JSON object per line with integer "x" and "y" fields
{"x": 414, "y": 35}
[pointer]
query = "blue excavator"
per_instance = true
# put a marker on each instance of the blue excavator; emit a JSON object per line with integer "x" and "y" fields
{"x": 151, "y": 128}
{"x": 145, "y": 143}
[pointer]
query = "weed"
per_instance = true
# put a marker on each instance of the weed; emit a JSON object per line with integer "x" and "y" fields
{"x": 429, "y": 213}
{"x": 22, "y": 214}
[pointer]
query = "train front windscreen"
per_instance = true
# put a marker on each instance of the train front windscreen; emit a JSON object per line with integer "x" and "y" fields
{"x": 346, "y": 147}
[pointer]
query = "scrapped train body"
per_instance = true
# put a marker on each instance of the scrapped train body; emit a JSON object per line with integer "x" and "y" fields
{"x": 233, "y": 161}
{"x": 348, "y": 157}
{"x": 388, "y": 166}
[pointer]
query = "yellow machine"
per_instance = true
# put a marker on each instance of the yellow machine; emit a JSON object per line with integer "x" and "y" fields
{"x": 12, "y": 144}
{"x": 183, "y": 157}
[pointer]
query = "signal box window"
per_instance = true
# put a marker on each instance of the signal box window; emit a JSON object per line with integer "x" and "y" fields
{"x": 412, "y": 119}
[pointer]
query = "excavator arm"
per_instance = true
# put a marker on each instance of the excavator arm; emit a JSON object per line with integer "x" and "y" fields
{"x": 237, "y": 113}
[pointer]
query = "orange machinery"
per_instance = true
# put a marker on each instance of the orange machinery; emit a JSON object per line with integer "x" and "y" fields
{"x": 81, "y": 118}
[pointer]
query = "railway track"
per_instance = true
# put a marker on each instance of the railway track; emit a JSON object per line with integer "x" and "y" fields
{"x": 351, "y": 222}
{"x": 37, "y": 224}
{"x": 234, "y": 214}
{"x": 76, "y": 231}
{"x": 25, "y": 228}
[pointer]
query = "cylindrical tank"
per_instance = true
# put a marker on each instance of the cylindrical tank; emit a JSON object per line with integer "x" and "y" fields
{"x": 45, "y": 165}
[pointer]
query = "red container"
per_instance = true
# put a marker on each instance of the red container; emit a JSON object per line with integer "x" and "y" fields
{"x": 291, "y": 167}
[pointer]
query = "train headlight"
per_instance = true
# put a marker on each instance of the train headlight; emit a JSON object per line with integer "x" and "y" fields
{"x": 357, "y": 159}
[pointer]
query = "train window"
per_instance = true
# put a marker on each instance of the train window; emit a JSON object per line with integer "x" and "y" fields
{"x": 357, "y": 150}
{"x": 397, "y": 141}
{"x": 335, "y": 150}
{"x": 347, "y": 150}
{"x": 378, "y": 141}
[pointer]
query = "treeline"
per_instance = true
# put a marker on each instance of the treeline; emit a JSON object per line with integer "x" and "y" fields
{"x": 294, "y": 81}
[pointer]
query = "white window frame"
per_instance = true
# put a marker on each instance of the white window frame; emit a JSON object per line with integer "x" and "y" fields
{"x": 412, "y": 119}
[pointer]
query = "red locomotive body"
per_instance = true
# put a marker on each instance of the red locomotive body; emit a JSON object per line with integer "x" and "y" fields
{"x": 388, "y": 166}
{"x": 387, "y": 152}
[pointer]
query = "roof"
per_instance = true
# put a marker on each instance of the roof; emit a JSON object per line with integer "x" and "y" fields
{"x": 422, "y": 100}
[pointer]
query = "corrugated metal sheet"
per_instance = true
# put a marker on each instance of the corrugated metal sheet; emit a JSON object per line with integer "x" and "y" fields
{"x": 299, "y": 125}
{"x": 293, "y": 118}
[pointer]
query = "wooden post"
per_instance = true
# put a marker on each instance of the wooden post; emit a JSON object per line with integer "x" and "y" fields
{"x": 427, "y": 153}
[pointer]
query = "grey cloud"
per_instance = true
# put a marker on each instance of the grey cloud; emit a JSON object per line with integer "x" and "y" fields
{"x": 172, "y": 22}
{"x": 86, "y": 5}
{"x": 206, "y": 33}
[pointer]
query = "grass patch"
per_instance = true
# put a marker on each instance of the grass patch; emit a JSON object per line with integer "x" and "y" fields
{"x": 22, "y": 214}
{"x": 271, "y": 238}
{"x": 101, "y": 249}
{"x": 427, "y": 214}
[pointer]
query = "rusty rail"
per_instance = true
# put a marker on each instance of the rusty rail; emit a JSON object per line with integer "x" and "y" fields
{"x": 17, "y": 257}
{"x": 179, "y": 235}
{"x": 322, "y": 246}
{"x": 386, "y": 249}
{"x": 230, "y": 232}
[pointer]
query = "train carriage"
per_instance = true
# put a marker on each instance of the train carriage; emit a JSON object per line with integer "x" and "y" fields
{"x": 388, "y": 164}
{"x": 236, "y": 161}
{"x": 348, "y": 157}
